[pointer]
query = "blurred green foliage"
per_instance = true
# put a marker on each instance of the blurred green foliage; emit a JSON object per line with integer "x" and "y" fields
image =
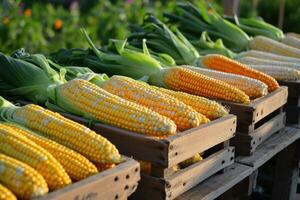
{"x": 48, "y": 25}
{"x": 269, "y": 11}
{"x": 45, "y": 26}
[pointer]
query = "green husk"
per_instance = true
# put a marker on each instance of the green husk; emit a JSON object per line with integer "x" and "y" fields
{"x": 7, "y": 110}
{"x": 162, "y": 40}
{"x": 22, "y": 78}
{"x": 192, "y": 21}
{"x": 81, "y": 73}
{"x": 123, "y": 61}
{"x": 206, "y": 46}
{"x": 257, "y": 26}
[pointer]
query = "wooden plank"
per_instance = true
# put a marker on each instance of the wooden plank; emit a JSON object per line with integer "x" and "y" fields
{"x": 270, "y": 147}
{"x": 264, "y": 132}
{"x": 217, "y": 184}
{"x": 242, "y": 190}
{"x": 287, "y": 173}
{"x": 189, "y": 177}
{"x": 116, "y": 183}
{"x": 272, "y": 102}
{"x": 294, "y": 125}
{"x": 293, "y": 87}
{"x": 260, "y": 107}
{"x": 200, "y": 139}
{"x": 150, "y": 188}
{"x": 172, "y": 150}
{"x": 247, "y": 144}
{"x": 141, "y": 146}
{"x": 169, "y": 188}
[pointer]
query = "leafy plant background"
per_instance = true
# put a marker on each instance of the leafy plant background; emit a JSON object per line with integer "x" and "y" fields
{"x": 46, "y": 26}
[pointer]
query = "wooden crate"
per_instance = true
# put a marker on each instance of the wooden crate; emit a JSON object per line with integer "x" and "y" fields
{"x": 285, "y": 171}
{"x": 220, "y": 185}
{"x": 115, "y": 183}
{"x": 163, "y": 154}
{"x": 258, "y": 120}
{"x": 172, "y": 186}
{"x": 292, "y": 108}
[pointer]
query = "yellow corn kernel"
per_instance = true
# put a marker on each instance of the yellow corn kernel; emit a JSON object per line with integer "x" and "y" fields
{"x": 68, "y": 133}
{"x": 183, "y": 115}
{"x": 15, "y": 145}
{"x": 108, "y": 108}
{"x": 196, "y": 158}
{"x": 211, "y": 109}
{"x": 6, "y": 194}
{"x": 185, "y": 80}
{"x": 77, "y": 166}
{"x": 252, "y": 87}
{"x": 21, "y": 179}
{"x": 146, "y": 167}
{"x": 104, "y": 166}
{"x": 224, "y": 64}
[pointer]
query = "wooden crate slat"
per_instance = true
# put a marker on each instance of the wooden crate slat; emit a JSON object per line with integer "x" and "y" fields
{"x": 172, "y": 150}
{"x": 169, "y": 188}
{"x": 286, "y": 173}
{"x": 105, "y": 185}
{"x": 271, "y": 147}
{"x": 294, "y": 87}
{"x": 259, "y": 108}
{"x": 141, "y": 146}
{"x": 218, "y": 184}
{"x": 188, "y": 143}
{"x": 150, "y": 188}
{"x": 246, "y": 144}
{"x": 194, "y": 174}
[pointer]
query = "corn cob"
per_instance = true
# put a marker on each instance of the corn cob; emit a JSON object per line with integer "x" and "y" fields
{"x": 296, "y": 35}
{"x": 265, "y": 44}
{"x": 190, "y": 161}
{"x": 146, "y": 167}
{"x": 103, "y": 166}
{"x": 183, "y": 115}
{"x": 6, "y": 194}
{"x": 21, "y": 179}
{"x": 291, "y": 41}
{"x": 66, "y": 132}
{"x": 224, "y": 64}
{"x": 260, "y": 61}
{"x": 279, "y": 73}
{"x": 108, "y": 108}
{"x": 19, "y": 147}
{"x": 77, "y": 166}
{"x": 211, "y": 109}
{"x": 252, "y": 87}
{"x": 268, "y": 56}
{"x": 185, "y": 80}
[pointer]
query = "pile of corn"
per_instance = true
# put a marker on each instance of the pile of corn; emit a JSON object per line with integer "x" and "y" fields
{"x": 279, "y": 59}
{"x": 41, "y": 151}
